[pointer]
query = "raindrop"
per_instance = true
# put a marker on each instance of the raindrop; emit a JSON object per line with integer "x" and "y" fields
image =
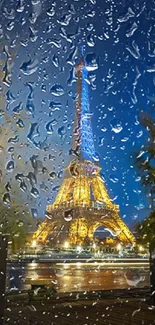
{"x": 34, "y": 213}
{"x": 33, "y": 34}
{"x": 51, "y": 12}
{"x": 20, "y": 123}
{"x": 91, "y": 40}
{"x": 55, "y": 42}
{"x": 18, "y": 108}
{"x": 34, "y": 132}
{"x": 23, "y": 186}
{"x": 134, "y": 51}
{"x": 19, "y": 177}
{"x": 91, "y": 62}
{"x": 57, "y": 90}
{"x": 34, "y": 192}
{"x": 71, "y": 58}
{"x": 10, "y": 26}
{"x": 55, "y": 61}
{"x": 116, "y": 126}
{"x": 133, "y": 282}
{"x": 52, "y": 175}
{"x": 65, "y": 20}
{"x": 29, "y": 67}
{"x": 9, "y": 14}
{"x": 127, "y": 16}
{"x": 151, "y": 69}
{"x": 49, "y": 127}
{"x": 43, "y": 88}
{"x": 6, "y": 198}
{"x": 61, "y": 131}
{"x": 10, "y": 97}
{"x": 68, "y": 217}
{"x": 14, "y": 140}
{"x": 54, "y": 106}
{"x": 113, "y": 179}
{"x": 1, "y": 149}
{"x": 20, "y": 6}
{"x": 55, "y": 188}
{"x": 132, "y": 30}
{"x": 10, "y": 166}
{"x": 60, "y": 174}
{"x": 8, "y": 187}
{"x": 32, "y": 178}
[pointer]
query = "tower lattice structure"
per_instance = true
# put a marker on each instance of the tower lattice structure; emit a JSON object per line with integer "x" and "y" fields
{"x": 82, "y": 203}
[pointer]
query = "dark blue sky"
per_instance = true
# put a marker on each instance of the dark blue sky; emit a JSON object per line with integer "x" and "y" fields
{"x": 43, "y": 39}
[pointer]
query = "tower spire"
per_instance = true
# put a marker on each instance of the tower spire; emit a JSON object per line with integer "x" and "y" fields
{"x": 83, "y": 143}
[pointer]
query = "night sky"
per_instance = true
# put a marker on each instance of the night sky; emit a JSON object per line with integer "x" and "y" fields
{"x": 43, "y": 39}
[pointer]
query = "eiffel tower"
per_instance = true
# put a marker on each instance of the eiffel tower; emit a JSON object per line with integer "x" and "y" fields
{"x": 82, "y": 203}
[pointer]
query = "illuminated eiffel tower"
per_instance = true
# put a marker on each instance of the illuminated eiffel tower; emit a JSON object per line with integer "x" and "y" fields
{"x": 82, "y": 203}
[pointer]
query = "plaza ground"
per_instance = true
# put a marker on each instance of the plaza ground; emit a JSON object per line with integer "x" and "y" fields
{"x": 123, "y": 307}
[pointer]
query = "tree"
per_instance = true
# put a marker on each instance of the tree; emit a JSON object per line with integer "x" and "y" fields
{"x": 16, "y": 222}
{"x": 145, "y": 159}
{"x": 145, "y": 162}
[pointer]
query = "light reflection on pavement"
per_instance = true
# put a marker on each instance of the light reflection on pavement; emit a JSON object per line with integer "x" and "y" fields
{"x": 78, "y": 276}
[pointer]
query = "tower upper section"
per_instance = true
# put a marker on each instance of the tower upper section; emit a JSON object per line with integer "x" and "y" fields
{"x": 83, "y": 143}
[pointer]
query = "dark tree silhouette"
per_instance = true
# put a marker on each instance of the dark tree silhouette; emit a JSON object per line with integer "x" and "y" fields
{"x": 145, "y": 163}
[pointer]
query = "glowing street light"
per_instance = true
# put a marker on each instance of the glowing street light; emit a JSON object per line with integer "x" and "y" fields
{"x": 34, "y": 243}
{"x": 141, "y": 248}
{"x": 119, "y": 247}
{"x": 94, "y": 245}
{"x": 79, "y": 249}
{"x": 66, "y": 245}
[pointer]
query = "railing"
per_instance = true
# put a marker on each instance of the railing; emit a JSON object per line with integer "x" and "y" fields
{"x": 91, "y": 206}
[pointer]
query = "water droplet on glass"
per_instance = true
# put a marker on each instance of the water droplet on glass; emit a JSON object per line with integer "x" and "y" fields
{"x": 51, "y": 12}
{"x": 6, "y": 198}
{"x": 132, "y": 30}
{"x": 61, "y": 131}
{"x": 127, "y": 16}
{"x": 23, "y": 186}
{"x": 32, "y": 178}
{"x": 91, "y": 62}
{"x": 18, "y": 108}
{"x": 20, "y": 123}
{"x": 68, "y": 217}
{"x": 65, "y": 20}
{"x": 34, "y": 212}
{"x": 9, "y": 14}
{"x": 90, "y": 40}
{"x": 54, "y": 106}
{"x": 52, "y": 175}
{"x": 34, "y": 192}
{"x": 29, "y": 67}
{"x": 55, "y": 60}
{"x": 10, "y": 166}
{"x": 20, "y": 6}
{"x": 49, "y": 127}
{"x": 116, "y": 126}
{"x": 57, "y": 90}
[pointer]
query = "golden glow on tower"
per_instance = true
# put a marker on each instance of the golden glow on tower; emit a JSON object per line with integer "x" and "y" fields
{"x": 82, "y": 203}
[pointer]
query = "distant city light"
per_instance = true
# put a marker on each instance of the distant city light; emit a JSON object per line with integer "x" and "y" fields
{"x": 66, "y": 244}
{"x": 79, "y": 249}
{"x": 34, "y": 243}
{"x": 141, "y": 248}
{"x": 119, "y": 247}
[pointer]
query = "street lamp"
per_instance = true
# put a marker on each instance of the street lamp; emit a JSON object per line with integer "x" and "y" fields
{"x": 34, "y": 244}
{"x": 141, "y": 248}
{"x": 79, "y": 249}
{"x": 66, "y": 245}
{"x": 119, "y": 247}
